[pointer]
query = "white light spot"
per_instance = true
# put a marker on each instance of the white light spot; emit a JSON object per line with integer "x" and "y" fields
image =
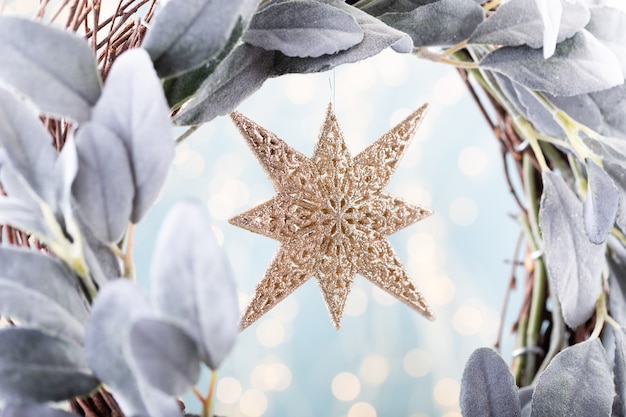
{"x": 270, "y": 332}
{"x": 439, "y": 290}
{"x": 192, "y": 167}
{"x": 228, "y": 390}
{"x": 382, "y": 297}
{"x": 274, "y": 376}
{"x": 417, "y": 363}
{"x": 362, "y": 409}
{"x": 472, "y": 161}
{"x": 346, "y": 386}
{"x": 374, "y": 369}
{"x": 448, "y": 89}
{"x": 467, "y": 320}
{"x": 393, "y": 69}
{"x": 446, "y": 392}
{"x": 356, "y": 303}
{"x": 253, "y": 403}
{"x": 421, "y": 247}
{"x": 299, "y": 89}
{"x": 463, "y": 211}
{"x": 220, "y": 206}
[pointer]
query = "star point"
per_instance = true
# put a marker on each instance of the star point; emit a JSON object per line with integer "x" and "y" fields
{"x": 331, "y": 216}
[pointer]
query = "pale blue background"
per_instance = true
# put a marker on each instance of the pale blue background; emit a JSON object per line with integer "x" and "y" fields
{"x": 388, "y": 360}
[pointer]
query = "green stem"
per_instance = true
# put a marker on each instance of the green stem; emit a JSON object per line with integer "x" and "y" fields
{"x": 207, "y": 406}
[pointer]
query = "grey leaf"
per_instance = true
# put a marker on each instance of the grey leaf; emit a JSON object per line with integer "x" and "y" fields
{"x": 104, "y": 264}
{"x": 526, "y": 396}
{"x": 576, "y": 383}
{"x": 442, "y": 23}
{"x": 181, "y": 88}
{"x": 34, "y": 410}
{"x": 66, "y": 168}
{"x": 488, "y": 387}
{"x": 28, "y": 145}
{"x": 601, "y": 204}
{"x": 117, "y": 304}
{"x": 616, "y": 260}
{"x": 379, "y": 7}
{"x": 164, "y": 355}
{"x": 535, "y": 111}
{"x": 303, "y": 28}
{"x": 192, "y": 283}
{"x": 22, "y": 216}
{"x": 53, "y": 67}
{"x": 46, "y": 275}
{"x": 518, "y": 22}
{"x": 133, "y": 107}
{"x": 239, "y": 75}
{"x": 34, "y": 309}
{"x": 580, "y": 65}
{"x": 36, "y": 368}
{"x": 619, "y": 372}
{"x": 103, "y": 187}
{"x": 186, "y": 33}
{"x": 376, "y": 37}
{"x": 574, "y": 263}
{"x": 607, "y": 24}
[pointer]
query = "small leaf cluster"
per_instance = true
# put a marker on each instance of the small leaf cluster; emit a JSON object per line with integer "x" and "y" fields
{"x": 81, "y": 321}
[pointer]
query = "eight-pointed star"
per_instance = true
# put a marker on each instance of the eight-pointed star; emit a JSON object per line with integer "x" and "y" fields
{"x": 331, "y": 216}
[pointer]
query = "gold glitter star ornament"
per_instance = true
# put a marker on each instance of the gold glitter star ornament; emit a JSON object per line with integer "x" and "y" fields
{"x": 331, "y": 216}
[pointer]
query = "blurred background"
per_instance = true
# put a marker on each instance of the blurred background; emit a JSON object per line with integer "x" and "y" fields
{"x": 386, "y": 360}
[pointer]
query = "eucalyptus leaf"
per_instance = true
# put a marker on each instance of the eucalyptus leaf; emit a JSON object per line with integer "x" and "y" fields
{"x": 238, "y": 76}
{"x": 619, "y": 373}
{"x": 45, "y": 275}
{"x": 117, "y": 304}
{"x": 376, "y": 37}
{"x": 442, "y": 23}
{"x": 535, "y": 111}
{"x": 488, "y": 387}
{"x": 192, "y": 284}
{"x": 379, "y": 7}
{"x": 28, "y": 145}
{"x": 36, "y": 368}
{"x": 526, "y": 395}
{"x": 103, "y": 187}
{"x": 518, "y": 22}
{"x": 616, "y": 260}
{"x": 186, "y": 33}
{"x": 164, "y": 355}
{"x": 56, "y": 69}
{"x": 574, "y": 264}
{"x": 20, "y": 215}
{"x": 580, "y": 65}
{"x": 576, "y": 383}
{"x": 34, "y": 309}
{"x": 607, "y": 24}
{"x": 303, "y": 28}
{"x": 34, "y": 410}
{"x": 601, "y": 204}
{"x": 104, "y": 264}
{"x": 66, "y": 168}
{"x": 133, "y": 107}
{"x": 180, "y": 88}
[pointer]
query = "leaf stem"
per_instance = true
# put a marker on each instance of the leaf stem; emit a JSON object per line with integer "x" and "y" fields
{"x": 207, "y": 405}
{"x": 186, "y": 133}
{"x": 601, "y": 316}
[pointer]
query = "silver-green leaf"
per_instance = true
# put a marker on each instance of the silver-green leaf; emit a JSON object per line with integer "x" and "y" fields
{"x": 580, "y": 65}
{"x": 488, "y": 387}
{"x": 303, "y": 28}
{"x": 574, "y": 263}
{"x": 54, "y": 68}
{"x": 601, "y": 203}
{"x": 186, "y": 33}
{"x": 103, "y": 187}
{"x": 192, "y": 284}
{"x": 134, "y": 108}
{"x": 37, "y": 368}
{"x": 576, "y": 383}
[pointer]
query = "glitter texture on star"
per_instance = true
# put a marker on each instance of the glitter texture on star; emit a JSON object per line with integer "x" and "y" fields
{"x": 331, "y": 216}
